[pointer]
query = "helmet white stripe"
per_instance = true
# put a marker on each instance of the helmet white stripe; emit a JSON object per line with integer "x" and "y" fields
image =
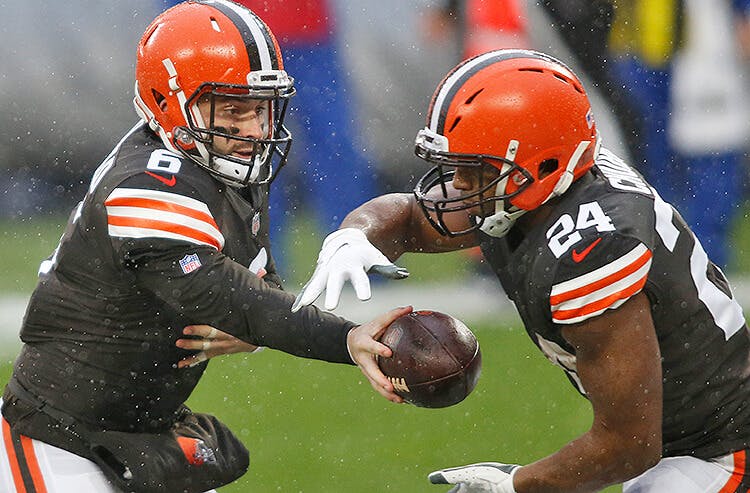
{"x": 450, "y": 82}
{"x": 256, "y": 31}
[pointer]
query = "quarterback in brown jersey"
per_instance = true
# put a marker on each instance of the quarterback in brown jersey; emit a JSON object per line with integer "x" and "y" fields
{"x": 610, "y": 283}
{"x": 172, "y": 233}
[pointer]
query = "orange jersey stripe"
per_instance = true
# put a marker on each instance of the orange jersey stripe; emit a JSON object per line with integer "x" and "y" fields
{"x": 600, "y": 304}
{"x": 33, "y": 464}
{"x": 161, "y": 205}
{"x": 601, "y": 283}
{"x": 737, "y": 475}
{"x": 15, "y": 469}
{"x": 164, "y": 226}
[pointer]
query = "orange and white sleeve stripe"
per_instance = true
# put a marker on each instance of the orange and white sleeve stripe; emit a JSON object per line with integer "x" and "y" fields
{"x": 589, "y": 295}
{"x": 138, "y": 213}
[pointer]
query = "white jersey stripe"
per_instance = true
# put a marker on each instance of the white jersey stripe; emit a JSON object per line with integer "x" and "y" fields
{"x": 727, "y": 313}
{"x": 132, "y": 232}
{"x": 600, "y": 294}
{"x": 601, "y": 273}
{"x": 159, "y": 215}
{"x": 667, "y": 231}
{"x": 587, "y": 315}
{"x": 140, "y": 213}
{"x": 173, "y": 198}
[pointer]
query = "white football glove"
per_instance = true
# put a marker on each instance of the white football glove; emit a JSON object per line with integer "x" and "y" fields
{"x": 485, "y": 477}
{"x": 346, "y": 254}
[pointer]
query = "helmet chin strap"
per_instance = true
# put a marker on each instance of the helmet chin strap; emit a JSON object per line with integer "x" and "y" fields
{"x": 499, "y": 223}
{"x": 226, "y": 168}
{"x": 566, "y": 179}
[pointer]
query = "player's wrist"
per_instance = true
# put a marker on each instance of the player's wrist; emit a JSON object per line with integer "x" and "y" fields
{"x": 348, "y": 347}
{"x": 344, "y": 236}
{"x": 512, "y": 480}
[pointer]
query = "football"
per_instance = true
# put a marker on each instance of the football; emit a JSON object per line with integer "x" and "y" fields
{"x": 436, "y": 359}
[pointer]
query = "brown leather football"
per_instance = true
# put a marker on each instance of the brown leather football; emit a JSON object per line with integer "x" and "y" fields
{"x": 436, "y": 359}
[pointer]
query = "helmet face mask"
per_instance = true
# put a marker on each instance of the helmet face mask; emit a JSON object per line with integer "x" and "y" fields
{"x": 520, "y": 112}
{"x": 180, "y": 90}
{"x": 213, "y": 139}
{"x": 491, "y": 173}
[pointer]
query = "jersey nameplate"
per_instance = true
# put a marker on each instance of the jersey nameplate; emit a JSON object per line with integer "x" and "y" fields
{"x": 621, "y": 176}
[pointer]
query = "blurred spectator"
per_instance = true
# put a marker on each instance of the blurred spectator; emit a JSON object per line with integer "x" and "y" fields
{"x": 391, "y": 61}
{"x": 680, "y": 61}
{"x": 479, "y": 26}
{"x": 584, "y": 26}
{"x": 66, "y": 64}
{"x": 710, "y": 120}
{"x": 332, "y": 175}
{"x": 644, "y": 38}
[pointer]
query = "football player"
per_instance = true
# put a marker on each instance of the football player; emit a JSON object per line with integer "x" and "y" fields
{"x": 608, "y": 280}
{"x": 172, "y": 233}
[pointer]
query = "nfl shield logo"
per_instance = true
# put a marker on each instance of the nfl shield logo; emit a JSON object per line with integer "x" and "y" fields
{"x": 256, "y": 224}
{"x": 589, "y": 118}
{"x": 189, "y": 263}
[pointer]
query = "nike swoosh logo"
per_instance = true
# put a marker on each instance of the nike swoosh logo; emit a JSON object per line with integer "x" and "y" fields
{"x": 170, "y": 182}
{"x": 579, "y": 256}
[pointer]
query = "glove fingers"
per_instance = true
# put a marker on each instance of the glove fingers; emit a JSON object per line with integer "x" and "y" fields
{"x": 361, "y": 284}
{"x": 436, "y": 477}
{"x": 310, "y": 291}
{"x": 390, "y": 271}
{"x": 333, "y": 290}
{"x": 485, "y": 471}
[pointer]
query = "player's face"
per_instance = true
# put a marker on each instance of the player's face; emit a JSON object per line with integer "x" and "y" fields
{"x": 470, "y": 180}
{"x": 238, "y": 117}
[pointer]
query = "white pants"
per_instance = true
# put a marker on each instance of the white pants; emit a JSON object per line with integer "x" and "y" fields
{"x": 692, "y": 475}
{"x": 31, "y": 466}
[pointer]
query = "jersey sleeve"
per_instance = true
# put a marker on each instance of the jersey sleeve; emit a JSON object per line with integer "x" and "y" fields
{"x": 217, "y": 291}
{"x": 143, "y": 213}
{"x": 598, "y": 274}
{"x": 169, "y": 240}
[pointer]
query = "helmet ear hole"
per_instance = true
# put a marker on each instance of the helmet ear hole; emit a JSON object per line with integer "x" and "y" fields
{"x": 159, "y": 99}
{"x": 547, "y": 167}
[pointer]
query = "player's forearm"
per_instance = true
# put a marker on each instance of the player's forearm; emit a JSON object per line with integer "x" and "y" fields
{"x": 386, "y": 221}
{"x": 395, "y": 224}
{"x": 226, "y": 295}
{"x": 591, "y": 462}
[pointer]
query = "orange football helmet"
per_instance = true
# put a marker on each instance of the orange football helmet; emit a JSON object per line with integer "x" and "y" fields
{"x": 199, "y": 51}
{"x": 522, "y": 112}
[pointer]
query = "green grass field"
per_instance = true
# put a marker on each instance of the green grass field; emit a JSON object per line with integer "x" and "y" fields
{"x": 317, "y": 427}
{"x": 24, "y": 243}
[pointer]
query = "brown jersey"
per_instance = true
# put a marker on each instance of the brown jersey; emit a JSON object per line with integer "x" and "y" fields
{"x": 610, "y": 237}
{"x": 157, "y": 244}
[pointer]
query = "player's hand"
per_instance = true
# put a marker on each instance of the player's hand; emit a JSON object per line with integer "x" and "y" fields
{"x": 346, "y": 255}
{"x": 485, "y": 477}
{"x": 211, "y": 342}
{"x": 364, "y": 347}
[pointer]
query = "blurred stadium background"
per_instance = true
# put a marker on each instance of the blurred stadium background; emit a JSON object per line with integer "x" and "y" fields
{"x": 66, "y": 99}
